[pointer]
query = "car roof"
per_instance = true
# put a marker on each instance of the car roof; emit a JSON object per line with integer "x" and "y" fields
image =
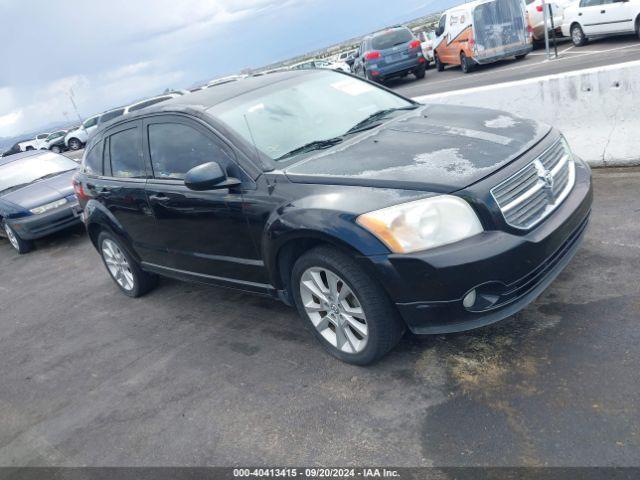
{"x": 18, "y": 156}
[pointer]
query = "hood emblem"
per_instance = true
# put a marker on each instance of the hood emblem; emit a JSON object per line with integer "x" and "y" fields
{"x": 546, "y": 176}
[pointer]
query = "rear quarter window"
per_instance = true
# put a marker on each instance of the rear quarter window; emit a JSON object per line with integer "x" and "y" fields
{"x": 93, "y": 160}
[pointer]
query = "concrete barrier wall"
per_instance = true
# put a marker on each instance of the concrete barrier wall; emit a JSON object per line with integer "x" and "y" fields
{"x": 597, "y": 109}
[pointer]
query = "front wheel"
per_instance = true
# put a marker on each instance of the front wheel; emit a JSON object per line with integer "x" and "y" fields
{"x": 521, "y": 57}
{"x": 346, "y": 310}
{"x": 124, "y": 270}
{"x": 56, "y": 149}
{"x": 577, "y": 36}
{"x": 21, "y": 246}
{"x": 439, "y": 64}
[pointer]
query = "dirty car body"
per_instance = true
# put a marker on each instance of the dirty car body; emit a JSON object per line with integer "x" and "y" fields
{"x": 527, "y": 195}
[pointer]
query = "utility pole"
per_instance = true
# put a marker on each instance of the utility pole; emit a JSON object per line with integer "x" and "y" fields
{"x": 73, "y": 102}
{"x": 546, "y": 28}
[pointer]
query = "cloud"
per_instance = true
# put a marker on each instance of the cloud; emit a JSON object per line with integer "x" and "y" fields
{"x": 10, "y": 119}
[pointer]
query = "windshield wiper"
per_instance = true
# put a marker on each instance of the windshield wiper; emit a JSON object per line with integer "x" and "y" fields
{"x": 14, "y": 187}
{"x": 311, "y": 146}
{"x": 366, "y": 123}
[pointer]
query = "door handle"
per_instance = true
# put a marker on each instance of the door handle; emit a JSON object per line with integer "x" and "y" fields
{"x": 159, "y": 198}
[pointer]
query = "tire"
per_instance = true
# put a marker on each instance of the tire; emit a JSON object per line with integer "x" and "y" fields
{"x": 421, "y": 72}
{"x": 21, "y": 246}
{"x": 465, "y": 63}
{"x": 378, "y": 325}
{"x": 123, "y": 269}
{"x": 56, "y": 149}
{"x": 521, "y": 57}
{"x": 29, "y": 148}
{"x": 638, "y": 27}
{"x": 75, "y": 144}
{"x": 577, "y": 36}
{"x": 439, "y": 64}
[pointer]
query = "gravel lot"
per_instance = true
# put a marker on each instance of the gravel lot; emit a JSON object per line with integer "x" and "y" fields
{"x": 192, "y": 375}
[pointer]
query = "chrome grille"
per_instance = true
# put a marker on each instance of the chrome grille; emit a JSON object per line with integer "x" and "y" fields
{"x": 530, "y": 195}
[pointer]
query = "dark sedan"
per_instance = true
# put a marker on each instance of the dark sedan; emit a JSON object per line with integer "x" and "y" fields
{"x": 36, "y": 197}
{"x": 367, "y": 211}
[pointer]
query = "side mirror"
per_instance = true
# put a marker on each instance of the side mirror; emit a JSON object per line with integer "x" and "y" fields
{"x": 208, "y": 176}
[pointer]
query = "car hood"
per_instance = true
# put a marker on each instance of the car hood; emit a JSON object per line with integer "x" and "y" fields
{"x": 42, "y": 192}
{"x": 438, "y": 148}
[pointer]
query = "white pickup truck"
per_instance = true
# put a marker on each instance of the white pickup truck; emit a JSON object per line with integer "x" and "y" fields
{"x": 35, "y": 143}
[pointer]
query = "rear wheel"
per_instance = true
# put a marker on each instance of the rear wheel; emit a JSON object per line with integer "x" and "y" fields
{"x": 638, "y": 27}
{"x": 75, "y": 144}
{"x": 465, "y": 63}
{"x": 20, "y": 245}
{"x": 577, "y": 36}
{"x": 56, "y": 149}
{"x": 521, "y": 57}
{"x": 439, "y": 64}
{"x": 346, "y": 310}
{"x": 124, "y": 270}
{"x": 421, "y": 71}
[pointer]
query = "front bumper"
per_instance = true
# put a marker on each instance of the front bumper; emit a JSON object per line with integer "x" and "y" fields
{"x": 38, "y": 226}
{"x": 507, "y": 270}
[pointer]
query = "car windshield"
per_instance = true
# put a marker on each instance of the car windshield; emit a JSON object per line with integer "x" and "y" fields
{"x": 297, "y": 112}
{"x": 388, "y": 39}
{"x": 28, "y": 170}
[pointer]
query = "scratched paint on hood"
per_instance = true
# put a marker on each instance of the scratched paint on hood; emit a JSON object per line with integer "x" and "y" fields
{"x": 502, "y": 121}
{"x": 438, "y": 148}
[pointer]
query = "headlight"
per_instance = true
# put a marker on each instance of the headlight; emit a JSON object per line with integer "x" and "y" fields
{"x": 423, "y": 224}
{"x": 48, "y": 206}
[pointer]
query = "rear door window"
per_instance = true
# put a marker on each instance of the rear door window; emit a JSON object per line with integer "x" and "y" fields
{"x": 391, "y": 38}
{"x": 175, "y": 148}
{"x": 124, "y": 154}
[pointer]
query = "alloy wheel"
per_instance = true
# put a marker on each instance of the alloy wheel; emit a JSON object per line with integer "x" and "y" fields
{"x": 576, "y": 35}
{"x": 12, "y": 237}
{"x": 334, "y": 309}
{"x": 117, "y": 264}
{"x": 74, "y": 144}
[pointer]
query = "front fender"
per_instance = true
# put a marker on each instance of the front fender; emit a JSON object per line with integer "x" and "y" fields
{"x": 316, "y": 224}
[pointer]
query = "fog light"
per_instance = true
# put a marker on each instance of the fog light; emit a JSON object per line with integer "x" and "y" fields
{"x": 469, "y": 299}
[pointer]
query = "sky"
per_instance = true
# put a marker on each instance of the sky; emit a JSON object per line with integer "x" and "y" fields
{"x": 110, "y": 53}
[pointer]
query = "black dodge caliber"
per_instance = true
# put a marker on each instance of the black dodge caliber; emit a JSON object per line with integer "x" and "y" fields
{"x": 367, "y": 211}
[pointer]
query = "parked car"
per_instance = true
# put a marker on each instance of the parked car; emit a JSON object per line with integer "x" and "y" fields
{"x": 323, "y": 64}
{"x": 75, "y": 139}
{"x": 55, "y": 142}
{"x": 33, "y": 144}
{"x": 394, "y": 52}
{"x": 369, "y": 212}
{"x": 15, "y": 148}
{"x": 427, "y": 40}
{"x": 480, "y": 32}
{"x": 593, "y": 18}
{"x": 535, "y": 17}
{"x": 36, "y": 197}
{"x": 348, "y": 57}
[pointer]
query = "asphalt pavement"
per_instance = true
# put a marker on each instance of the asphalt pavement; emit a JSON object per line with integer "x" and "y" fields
{"x": 604, "y": 51}
{"x": 194, "y": 375}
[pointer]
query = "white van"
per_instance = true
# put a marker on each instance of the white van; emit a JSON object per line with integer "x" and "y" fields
{"x": 480, "y": 32}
